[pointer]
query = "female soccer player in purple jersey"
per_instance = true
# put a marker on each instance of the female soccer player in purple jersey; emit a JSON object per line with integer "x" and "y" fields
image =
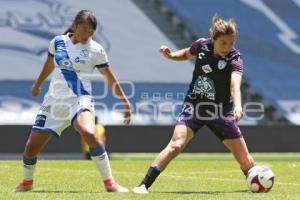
{"x": 72, "y": 59}
{"x": 213, "y": 98}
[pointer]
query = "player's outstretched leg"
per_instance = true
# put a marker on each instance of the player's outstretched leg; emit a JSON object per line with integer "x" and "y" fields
{"x": 100, "y": 158}
{"x": 150, "y": 177}
{"x": 28, "y": 170}
{"x": 239, "y": 149}
{"x": 85, "y": 125}
{"x": 181, "y": 137}
{"x": 34, "y": 145}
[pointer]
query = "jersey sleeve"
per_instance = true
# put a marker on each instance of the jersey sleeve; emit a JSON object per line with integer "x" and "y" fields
{"x": 194, "y": 46}
{"x": 51, "y": 48}
{"x": 101, "y": 59}
{"x": 237, "y": 65}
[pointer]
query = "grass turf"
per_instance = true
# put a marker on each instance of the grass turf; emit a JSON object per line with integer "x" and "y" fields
{"x": 190, "y": 176}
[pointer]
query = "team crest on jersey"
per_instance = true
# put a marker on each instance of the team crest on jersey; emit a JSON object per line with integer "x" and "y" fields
{"x": 84, "y": 53}
{"x": 28, "y": 31}
{"x": 207, "y": 69}
{"x": 222, "y": 64}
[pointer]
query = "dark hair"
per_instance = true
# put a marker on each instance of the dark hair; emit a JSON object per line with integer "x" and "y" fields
{"x": 81, "y": 17}
{"x": 221, "y": 27}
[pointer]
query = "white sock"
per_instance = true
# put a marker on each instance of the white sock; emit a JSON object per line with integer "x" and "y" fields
{"x": 28, "y": 171}
{"x": 102, "y": 163}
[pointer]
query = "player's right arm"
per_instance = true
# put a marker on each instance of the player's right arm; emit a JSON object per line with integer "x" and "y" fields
{"x": 180, "y": 55}
{"x": 46, "y": 71}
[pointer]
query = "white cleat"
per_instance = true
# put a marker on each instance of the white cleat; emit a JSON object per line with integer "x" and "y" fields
{"x": 140, "y": 189}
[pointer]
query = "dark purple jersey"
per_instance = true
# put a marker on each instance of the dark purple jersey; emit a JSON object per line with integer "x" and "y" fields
{"x": 212, "y": 74}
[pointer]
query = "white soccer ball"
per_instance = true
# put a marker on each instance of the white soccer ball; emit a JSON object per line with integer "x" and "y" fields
{"x": 260, "y": 178}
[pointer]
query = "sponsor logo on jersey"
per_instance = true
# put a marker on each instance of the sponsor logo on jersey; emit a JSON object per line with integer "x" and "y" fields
{"x": 45, "y": 108}
{"x": 222, "y": 64}
{"x": 66, "y": 63}
{"x": 77, "y": 60}
{"x": 201, "y": 55}
{"x": 205, "y": 86}
{"x": 186, "y": 112}
{"x": 207, "y": 69}
{"x": 40, "y": 120}
{"x": 205, "y": 48}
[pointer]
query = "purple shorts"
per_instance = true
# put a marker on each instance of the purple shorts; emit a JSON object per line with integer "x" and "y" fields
{"x": 219, "y": 119}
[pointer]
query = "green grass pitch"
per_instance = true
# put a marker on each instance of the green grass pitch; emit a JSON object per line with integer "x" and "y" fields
{"x": 188, "y": 177}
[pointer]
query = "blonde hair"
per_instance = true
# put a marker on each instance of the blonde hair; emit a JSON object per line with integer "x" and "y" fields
{"x": 221, "y": 27}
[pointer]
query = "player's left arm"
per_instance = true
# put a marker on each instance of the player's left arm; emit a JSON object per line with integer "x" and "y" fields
{"x": 235, "y": 89}
{"x": 117, "y": 89}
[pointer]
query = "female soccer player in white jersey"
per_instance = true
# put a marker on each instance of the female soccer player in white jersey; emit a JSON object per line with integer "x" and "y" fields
{"x": 72, "y": 57}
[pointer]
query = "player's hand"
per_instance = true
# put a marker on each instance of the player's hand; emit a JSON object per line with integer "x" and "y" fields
{"x": 165, "y": 51}
{"x": 127, "y": 114}
{"x": 238, "y": 113}
{"x": 35, "y": 90}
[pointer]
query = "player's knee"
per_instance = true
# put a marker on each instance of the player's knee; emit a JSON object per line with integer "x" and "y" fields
{"x": 176, "y": 148}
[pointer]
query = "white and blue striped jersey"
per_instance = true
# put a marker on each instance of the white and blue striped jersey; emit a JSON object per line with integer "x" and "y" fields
{"x": 70, "y": 89}
{"x": 74, "y": 66}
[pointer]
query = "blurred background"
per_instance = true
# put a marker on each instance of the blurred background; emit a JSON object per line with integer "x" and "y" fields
{"x": 131, "y": 31}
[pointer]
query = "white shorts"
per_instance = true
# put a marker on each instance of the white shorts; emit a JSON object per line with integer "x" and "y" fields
{"x": 56, "y": 115}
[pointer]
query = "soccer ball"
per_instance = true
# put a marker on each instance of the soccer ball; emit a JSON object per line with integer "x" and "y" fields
{"x": 260, "y": 179}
